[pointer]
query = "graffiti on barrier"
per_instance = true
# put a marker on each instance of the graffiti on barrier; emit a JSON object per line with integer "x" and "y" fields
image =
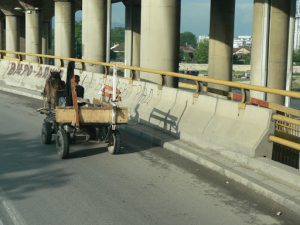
{"x": 21, "y": 69}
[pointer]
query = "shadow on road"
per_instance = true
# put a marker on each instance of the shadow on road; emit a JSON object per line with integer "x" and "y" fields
{"x": 86, "y": 152}
{"x": 27, "y": 166}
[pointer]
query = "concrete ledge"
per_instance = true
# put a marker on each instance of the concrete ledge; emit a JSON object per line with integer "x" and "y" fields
{"x": 20, "y": 91}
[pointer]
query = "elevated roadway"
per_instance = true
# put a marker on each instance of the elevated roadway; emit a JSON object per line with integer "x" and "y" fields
{"x": 144, "y": 185}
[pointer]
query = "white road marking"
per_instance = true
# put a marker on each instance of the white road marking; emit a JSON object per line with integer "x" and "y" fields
{"x": 12, "y": 213}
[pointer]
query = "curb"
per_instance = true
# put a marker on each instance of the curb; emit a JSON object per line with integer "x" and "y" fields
{"x": 23, "y": 93}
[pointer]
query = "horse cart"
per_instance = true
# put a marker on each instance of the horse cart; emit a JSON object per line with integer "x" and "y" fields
{"x": 98, "y": 125}
{"x": 97, "y": 122}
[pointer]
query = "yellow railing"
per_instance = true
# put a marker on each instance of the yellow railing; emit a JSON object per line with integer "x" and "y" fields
{"x": 195, "y": 86}
{"x": 285, "y": 142}
{"x": 291, "y": 94}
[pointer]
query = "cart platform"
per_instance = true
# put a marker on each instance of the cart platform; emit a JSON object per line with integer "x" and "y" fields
{"x": 91, "y": 115}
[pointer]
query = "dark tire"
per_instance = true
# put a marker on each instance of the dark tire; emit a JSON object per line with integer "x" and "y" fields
{"x": 62, "y": 144}
{"x": 114, "y": 143}
{"x": 46, "y": 135}
{"x": 101, "y": 132}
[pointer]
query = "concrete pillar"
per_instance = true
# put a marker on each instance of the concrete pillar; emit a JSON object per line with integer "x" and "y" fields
{"x": 33, "y": 33}
{"x": 64, "y": 28}
{"x": 46, "y": 36}
{"x": 22, "y": 34}
{"x": 12, "y": 33}
{"x": 160, "y": 31}
{"x": 2, "y": 33}
{"x": 132, "y": 36}
{"x": 278, "y": 47}
{"x": 94, "y": 32}
{"x": 260, "y": 42}
{"x": 221, "y": 41}
{"x": 46, "y": 32}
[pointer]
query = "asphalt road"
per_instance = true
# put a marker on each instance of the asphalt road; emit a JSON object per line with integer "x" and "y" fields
{"x": 143, "y": 185}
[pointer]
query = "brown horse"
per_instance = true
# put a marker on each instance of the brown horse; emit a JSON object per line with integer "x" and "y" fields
{"x": 54, "y": 89}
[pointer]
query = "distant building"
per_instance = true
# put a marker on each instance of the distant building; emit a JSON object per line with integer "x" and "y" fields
{"x": 241, "y": 51}
{"x": 202, "y": 37}
{"x": 238, "y": 42}
{"x": 242, "y": 41}
{"x": 189, "y": 53}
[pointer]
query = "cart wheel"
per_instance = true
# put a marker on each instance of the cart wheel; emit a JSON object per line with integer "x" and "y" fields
{"x": 62, "y": 144}
{"x": 101, "y": 132}
{"x": 46, "y": 135}
{"x": 114, "y": 143}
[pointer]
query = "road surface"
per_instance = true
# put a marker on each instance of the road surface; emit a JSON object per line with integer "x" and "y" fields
{"x": 144, "y": 185}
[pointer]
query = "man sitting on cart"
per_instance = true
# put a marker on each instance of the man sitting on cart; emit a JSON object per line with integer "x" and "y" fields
{"x": 79, "y": 88}
{"x": 79, "y": 91}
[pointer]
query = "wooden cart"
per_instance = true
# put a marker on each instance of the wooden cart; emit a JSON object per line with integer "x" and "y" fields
{"x": 97, "y": 124}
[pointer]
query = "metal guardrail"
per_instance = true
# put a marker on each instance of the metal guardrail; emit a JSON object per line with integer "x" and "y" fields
{"x": 197, "y": 86}
{"x": 288, "y": 126}
{"x": 285, "y": 142}
{"x": 286, "y": 119}
{"x": 241, "y": 86}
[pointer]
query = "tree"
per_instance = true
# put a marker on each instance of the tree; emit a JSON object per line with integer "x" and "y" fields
{"x": 78, "y": 39}
{"x": 187, "y": 57}
{"x": 247, "y": 58}
{"x": 181, "y": 55}
{"x": 241, "y": 59}
{"x": 188, "y": 38}
{"x": 117, "y": 35}
{"x": 296, "y": 57}
{"x": 202, "y": 51}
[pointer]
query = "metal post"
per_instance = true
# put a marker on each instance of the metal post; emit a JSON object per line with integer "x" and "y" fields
{"x": 265, "y": 48}
{"x": 290, "y": 51}
{"x": 108, "y": 30}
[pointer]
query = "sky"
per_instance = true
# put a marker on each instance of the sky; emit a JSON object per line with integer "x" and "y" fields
{"x": 195, "y": 16}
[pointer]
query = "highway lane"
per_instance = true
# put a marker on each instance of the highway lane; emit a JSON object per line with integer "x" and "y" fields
{"x": 144, "y": 185}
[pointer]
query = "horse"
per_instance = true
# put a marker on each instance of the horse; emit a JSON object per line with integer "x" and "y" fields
{"x": 54, "y": 89}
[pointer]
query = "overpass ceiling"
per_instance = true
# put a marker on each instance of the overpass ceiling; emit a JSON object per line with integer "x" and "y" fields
{"x": 7, "y": 7}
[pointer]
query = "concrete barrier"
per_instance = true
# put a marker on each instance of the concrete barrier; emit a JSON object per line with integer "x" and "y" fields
{"x": 205, "y": 121}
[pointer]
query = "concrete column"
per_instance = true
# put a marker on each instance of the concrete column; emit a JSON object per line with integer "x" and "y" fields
{"x": 160, "y": 31}
{"x": 221, "y": 41}
{"x": 2, "y": 34}
{"x": 260, "y": 42}
{"x": 22, "y": 33}
{"x": 33, "y": 33}
{"x": 12, "y": 33}
{"x": 132, "y": 37}
{"x": 46, "y": 32}
{"x": 94, "y": 32}
{"x": 46, "y": 36}
{"x": 278, "y": 47}
{"x": 64, "y": 28}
